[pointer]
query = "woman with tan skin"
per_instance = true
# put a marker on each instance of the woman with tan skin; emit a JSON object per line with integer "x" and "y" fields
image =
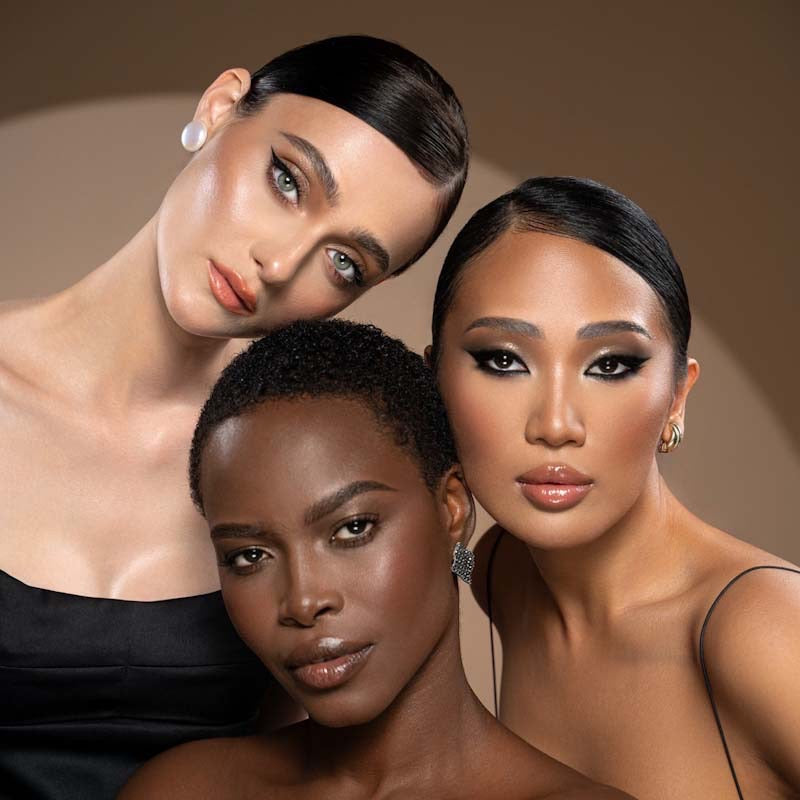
{"x": 324, "y": 465}
{"x": 331, "y": 168}
{"x": 560, "y": 330}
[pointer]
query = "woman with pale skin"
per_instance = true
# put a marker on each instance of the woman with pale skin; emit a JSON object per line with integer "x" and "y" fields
{"x": 641, "y": 646}
{"x": 330, "y": 169}
{"x": 326, "y": 470}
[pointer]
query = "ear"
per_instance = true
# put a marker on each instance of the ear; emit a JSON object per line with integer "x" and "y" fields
{"x": 218, "y": 103}
{"x": 428, "y": 356}
{"x": 677, "y": 411}
{"x": 457, "y": 506}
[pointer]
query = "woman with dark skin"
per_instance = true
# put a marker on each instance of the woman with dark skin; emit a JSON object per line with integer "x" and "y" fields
{"x": 325, "y": 468}
{"x": 331, "y": 168}
{"x": 560, "y": 331}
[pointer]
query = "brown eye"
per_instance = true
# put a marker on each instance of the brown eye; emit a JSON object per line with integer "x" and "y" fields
{"x": 354, "y": 529}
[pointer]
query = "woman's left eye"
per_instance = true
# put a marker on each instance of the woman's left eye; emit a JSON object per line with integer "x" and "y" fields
{"x": 615, "y": 367}
{"x": 346, "y": 269}
{"x": 355, "y": 530}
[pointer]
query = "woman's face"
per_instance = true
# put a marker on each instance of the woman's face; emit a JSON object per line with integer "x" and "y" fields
{"x": 556, "y": 367}
{"x": 334, "y": 555}
{"x": 288, "y": 214}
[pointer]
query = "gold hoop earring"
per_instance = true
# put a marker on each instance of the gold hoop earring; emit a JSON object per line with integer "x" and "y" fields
{"x": 675, "y": 438}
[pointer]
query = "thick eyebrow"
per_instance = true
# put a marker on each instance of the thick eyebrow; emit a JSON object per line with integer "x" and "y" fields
{"x": 510, "y": 324}
{"x": 318, "y": 164}
{"x": 369, "y": 243}
{"x": 230, "y": 530}
{"x": 338, "y": 498}
{"x": 596, "y": 329}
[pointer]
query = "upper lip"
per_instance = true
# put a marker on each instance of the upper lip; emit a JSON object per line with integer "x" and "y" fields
{"x": 324, "y": 649}
{"x": 560, "y": 474}
{"x": 238, "y": 284}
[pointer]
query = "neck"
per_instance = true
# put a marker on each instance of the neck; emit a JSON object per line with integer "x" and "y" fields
{"x": 428, "y": 737}
{"x": 640, "y": 560}
{"x": 116, "y": 342}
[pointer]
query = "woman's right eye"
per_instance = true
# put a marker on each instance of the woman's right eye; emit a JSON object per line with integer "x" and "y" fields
{"x": 284, "y": 181}
{"x": 245, "y": 560}
{"x": 498, "y": 361}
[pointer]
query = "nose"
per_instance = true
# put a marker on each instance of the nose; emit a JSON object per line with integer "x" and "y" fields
{"x": 308, "y": 595}
{"x": 278, "y": 259}
{"x": 554, "y": 419}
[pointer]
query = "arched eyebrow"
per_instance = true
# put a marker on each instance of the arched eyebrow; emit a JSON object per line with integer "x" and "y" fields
{"x": 367, "y": 241}
{"x": 331, "y": 502}
{"x": 509, "y": 324}
{"x": 318, "y": 164}
{"x": 596, "y": 329}
{"x": 231, "y": 530}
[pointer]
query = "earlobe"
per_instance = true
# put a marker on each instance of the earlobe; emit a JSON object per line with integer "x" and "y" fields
{"x": 427, "y": 356}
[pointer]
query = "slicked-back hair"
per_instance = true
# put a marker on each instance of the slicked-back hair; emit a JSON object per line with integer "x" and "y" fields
{"x": 579, "y": 209}
{"x": 390, "y": 88}
{"x": 339, "y": 359}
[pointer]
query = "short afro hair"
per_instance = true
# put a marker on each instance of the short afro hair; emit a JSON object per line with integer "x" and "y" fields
{"x": 335, "y": 358}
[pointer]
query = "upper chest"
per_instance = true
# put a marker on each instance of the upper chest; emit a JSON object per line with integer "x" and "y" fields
{"x": 100, "y": 506}
{"x": 630, "y": 711}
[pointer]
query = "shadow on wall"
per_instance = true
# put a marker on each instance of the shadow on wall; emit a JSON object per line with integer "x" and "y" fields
{"x": 79, "y": 181}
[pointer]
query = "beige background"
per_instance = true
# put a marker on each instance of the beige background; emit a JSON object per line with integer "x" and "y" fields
{"x": 691, "y": 112}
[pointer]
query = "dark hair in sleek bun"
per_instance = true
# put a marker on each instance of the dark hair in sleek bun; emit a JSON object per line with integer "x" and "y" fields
{"x": 335, "y": 358}
{"x": 578, "y": 209}
{"x": 392, "y": 90}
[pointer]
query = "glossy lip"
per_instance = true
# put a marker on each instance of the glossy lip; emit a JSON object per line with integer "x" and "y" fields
{"x": 555, "y": 487}
{"x": 230, "y": 289}
{"x": 328, "y": 663}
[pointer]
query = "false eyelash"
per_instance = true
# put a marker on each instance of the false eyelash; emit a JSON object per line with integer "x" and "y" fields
{"x": 633, "y": 364}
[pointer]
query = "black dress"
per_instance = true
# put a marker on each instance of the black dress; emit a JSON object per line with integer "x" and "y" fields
{"x": 90, "y": 688}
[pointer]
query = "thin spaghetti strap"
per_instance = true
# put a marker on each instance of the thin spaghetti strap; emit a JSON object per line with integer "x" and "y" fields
{"x": 489, "y": 566}
{"x": 705, "y": 670}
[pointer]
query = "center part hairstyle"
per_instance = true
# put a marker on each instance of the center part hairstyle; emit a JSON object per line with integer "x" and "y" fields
{"x": 390, "y": 88}
{"x": 580, "y": 209}
{"x": 334, "y": 358}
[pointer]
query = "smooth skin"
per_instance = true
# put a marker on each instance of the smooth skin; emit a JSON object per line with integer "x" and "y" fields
{"x": 101, "y": 384}
{"x": 324, "y": 527}
{"x": 599, "y": 606}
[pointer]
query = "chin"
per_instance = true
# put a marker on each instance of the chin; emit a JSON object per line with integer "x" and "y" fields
{"x": 341, "y": 712}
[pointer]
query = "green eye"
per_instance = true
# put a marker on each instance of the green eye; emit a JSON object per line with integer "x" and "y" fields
{"x": 286, "y": 182}
{"x": 346, "y": 268}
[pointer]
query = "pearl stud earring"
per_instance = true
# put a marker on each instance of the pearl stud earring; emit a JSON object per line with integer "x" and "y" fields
{"x": 194, "y": 135}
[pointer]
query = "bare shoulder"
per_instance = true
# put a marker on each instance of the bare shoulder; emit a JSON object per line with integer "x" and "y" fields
{"x": 216, "y": 769}
{"x": 750, "y": 651}
{"x": 505, "y": 560}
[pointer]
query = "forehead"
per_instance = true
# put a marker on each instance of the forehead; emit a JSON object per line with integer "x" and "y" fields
{"x": 380, "y": 187}
{"x": 556, "y": 282}
{"x": 286, "y": 454}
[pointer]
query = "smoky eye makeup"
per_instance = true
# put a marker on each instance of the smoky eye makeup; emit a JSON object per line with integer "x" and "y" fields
{"x": 498, "y": 361}
{"x": 616, "y": 366}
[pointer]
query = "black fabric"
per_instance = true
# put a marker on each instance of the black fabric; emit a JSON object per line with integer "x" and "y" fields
{"x": 706, "y": 678}
{"x": 90, "y": 688}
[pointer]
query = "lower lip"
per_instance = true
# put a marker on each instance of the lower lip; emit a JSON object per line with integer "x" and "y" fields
{"x": 330, "y": 674}
{"x": 224, "y": 293}
{"x": 555, "y": 496}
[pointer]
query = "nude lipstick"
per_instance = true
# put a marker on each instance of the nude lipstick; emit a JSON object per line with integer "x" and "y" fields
{"x": 230, "y": 289}
{"x": 328, "y": 663}
{"x": 555, "y": 487}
